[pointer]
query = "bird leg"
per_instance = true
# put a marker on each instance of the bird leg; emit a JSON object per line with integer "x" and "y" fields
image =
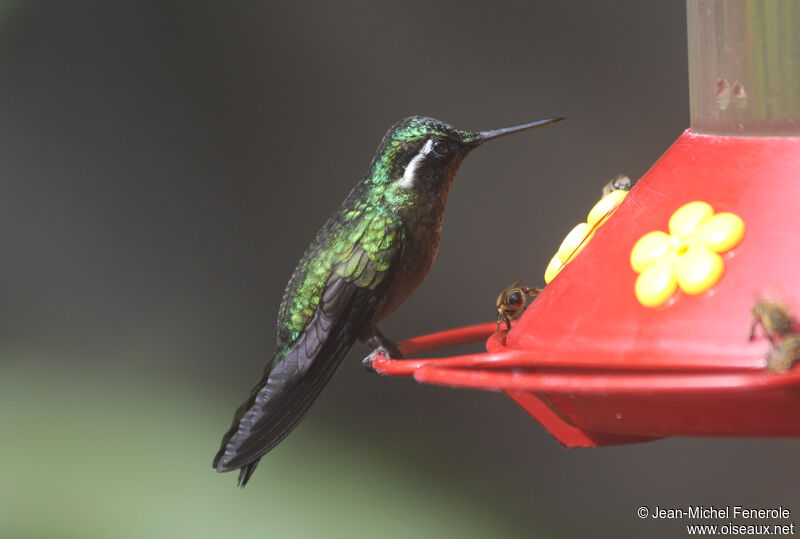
{"x": 380, "y": 344}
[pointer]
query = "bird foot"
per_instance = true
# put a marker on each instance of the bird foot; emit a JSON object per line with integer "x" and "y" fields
{"x": 380, "y": 344}
{"x": 367, "y": 361}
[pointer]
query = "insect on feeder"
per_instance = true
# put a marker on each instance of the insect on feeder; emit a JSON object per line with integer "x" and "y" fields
{"x": 658, "y": 343}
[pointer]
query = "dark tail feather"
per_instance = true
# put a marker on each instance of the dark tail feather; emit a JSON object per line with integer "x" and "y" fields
{"x": 237, "y": 416}
{"x": 246, "y": 472}
{"x": 273, "y": 411}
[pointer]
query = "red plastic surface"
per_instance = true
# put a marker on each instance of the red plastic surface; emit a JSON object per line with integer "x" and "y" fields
{"x": 595, "y": 367}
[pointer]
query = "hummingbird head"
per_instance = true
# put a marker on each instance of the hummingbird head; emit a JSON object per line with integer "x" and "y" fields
{"x": 419, "y": 156}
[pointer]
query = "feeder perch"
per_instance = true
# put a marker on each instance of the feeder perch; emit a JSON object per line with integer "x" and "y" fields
{"x": 635, "y": 339}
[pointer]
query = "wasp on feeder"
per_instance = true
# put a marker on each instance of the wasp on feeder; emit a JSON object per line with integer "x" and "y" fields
{"x": 511, "y": 302}
{"x": 620, "y": 182}
{"x": 780, "y": 327}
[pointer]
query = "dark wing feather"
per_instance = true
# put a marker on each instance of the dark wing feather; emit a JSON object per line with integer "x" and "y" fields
{"x": 283, "y": 396}
{"x": 291, "y": 384}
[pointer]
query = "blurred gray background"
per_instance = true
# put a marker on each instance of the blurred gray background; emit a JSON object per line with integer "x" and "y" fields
{"x": 163, "y": 166}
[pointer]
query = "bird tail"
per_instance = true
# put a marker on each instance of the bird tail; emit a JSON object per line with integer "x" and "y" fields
{"x": 245, "y": 472}
{"x": 294, "y": 378}
{"x": 276, "y": 405}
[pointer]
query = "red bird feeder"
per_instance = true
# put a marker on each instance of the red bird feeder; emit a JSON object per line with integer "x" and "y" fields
{"x": 645, "y": 332}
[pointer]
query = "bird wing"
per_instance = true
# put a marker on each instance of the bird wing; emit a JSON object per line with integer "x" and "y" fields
{"x": 294, "y": 379}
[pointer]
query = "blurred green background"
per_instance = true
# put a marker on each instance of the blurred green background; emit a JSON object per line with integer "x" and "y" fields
{"x": 164, "y": 164}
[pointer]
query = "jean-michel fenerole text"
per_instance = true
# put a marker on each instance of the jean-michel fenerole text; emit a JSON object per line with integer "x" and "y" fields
{"x": 725, "y": 511}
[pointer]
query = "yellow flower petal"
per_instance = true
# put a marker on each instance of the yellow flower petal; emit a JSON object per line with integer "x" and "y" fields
{"x": 656, "y": 284}
{"x": 573, "y": 242}
{"x": 648, "y": 249}
{"x": 687, "y": 257}
{"x": 688, "y": 217}
{"x": 553, "y": 268}
{"x": 698, "y": 270}
{"x": 721, "y": 233}
{"x": 605, "y": 205}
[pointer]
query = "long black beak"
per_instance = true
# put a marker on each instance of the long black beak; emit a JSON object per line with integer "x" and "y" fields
{"x": 484, "y": 136}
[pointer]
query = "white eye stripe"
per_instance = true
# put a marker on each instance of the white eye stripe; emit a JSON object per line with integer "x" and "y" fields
{"x": 428, "y": 145}
{"x": 409, "y": 175}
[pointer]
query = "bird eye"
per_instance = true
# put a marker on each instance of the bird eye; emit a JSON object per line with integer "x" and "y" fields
{"x": 440, "y": 147}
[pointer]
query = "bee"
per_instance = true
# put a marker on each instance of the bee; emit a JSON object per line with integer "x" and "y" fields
{"x": 511, "y": 302}
{"x": 775, "y": 318}
{"x": 780, "y": 327}
{"x": 785, "y": 354}
{"x": 620, "y": 182}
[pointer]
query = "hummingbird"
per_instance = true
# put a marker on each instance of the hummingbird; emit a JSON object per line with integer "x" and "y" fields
{"x": 368, "y": 258}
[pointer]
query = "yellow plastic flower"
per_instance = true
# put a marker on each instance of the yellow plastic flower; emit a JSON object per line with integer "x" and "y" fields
{"x": 583, "y": 232}
{"x": 687, "y": 257}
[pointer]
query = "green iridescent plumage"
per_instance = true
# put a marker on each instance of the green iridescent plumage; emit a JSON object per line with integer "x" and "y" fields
{"x": 358, "y": 244}
{"x": 370, "y": 255}
{"x": 368, "y": 217}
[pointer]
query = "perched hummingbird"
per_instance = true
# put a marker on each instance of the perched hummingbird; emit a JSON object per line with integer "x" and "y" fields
{"x": 368, "y": 258}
